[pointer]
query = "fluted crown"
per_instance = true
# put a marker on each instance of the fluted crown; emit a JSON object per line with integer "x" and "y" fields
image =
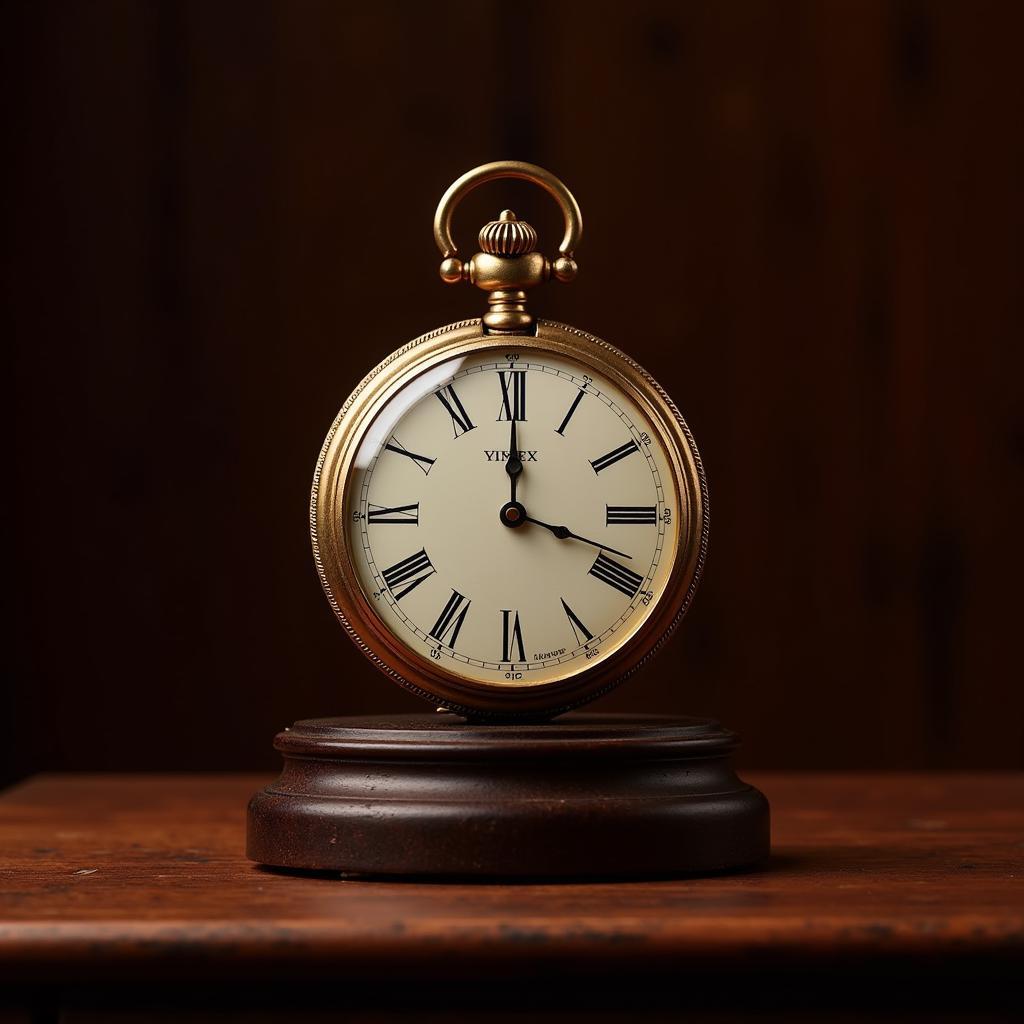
{"x": 507, "y": 236}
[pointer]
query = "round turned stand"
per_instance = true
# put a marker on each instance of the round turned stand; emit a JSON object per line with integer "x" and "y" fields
{"x": 583, "y": 796}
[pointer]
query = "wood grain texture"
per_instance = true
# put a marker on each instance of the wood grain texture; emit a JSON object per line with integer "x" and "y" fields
{"x": 202, "y": 196}
{"x": 145, "y": 876}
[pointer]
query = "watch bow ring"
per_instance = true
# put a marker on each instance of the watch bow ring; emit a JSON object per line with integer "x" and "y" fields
{"x": 508, "y": 263}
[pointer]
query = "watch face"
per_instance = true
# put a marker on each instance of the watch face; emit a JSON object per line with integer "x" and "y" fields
{"x": 512, "y": 517}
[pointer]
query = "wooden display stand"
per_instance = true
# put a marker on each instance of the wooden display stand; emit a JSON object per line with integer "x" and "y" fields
{"x": 584, "y": 796}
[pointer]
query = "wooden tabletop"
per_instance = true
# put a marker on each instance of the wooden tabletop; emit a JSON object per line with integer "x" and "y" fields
{"x": 100, "y": 875}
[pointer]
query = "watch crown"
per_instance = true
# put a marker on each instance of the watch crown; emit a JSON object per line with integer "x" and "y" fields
{"x": 507, "y": 236}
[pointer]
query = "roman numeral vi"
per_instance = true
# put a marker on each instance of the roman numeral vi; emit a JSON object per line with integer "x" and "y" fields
{"x": 509, "y": 636}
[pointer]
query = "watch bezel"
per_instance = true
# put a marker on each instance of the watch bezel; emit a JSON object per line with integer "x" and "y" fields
{"x": 333, "y": 554}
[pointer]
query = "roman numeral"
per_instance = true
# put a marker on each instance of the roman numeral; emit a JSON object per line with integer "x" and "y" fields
{"x": 407, "y": 574}
{"x": 614, "y": 456}
{"x": 399, "y": 514}
{"x": 607, "y": 570}
{"x": 451, "y": 618}
{"x": 513, "y": 395}
{"x": 419, "y": 461}
{"x": 621, "y": 515}
{"x": 577, "y": 626}
{"x": 461, "y": 423}
{"x": 568, "y": 416}
{"x": 510, "y": 636}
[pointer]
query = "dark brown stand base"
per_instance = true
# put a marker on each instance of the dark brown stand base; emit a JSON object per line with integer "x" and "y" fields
{"x": 596, "y": 796}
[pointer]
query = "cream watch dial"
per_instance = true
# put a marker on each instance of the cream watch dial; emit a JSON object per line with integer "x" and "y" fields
{"x": 569, "y": 573}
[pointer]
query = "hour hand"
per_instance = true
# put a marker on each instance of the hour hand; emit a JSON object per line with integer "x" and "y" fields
{"x": 564, "y": 533}
{"x": 513, "y": 466}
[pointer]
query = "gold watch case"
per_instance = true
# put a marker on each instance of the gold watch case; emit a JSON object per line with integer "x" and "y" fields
{"x": 546, "y": 694}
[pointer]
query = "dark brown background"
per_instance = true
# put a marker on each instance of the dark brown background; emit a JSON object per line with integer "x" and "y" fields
{"x": 806, "y": 219}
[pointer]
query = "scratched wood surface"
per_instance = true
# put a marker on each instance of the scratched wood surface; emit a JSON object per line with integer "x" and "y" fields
{"x": 127, "y": 899}
{"x": 103, "y": 873}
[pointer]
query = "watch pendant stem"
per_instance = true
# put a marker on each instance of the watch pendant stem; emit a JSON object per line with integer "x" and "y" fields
{"x": 507, "y": 311}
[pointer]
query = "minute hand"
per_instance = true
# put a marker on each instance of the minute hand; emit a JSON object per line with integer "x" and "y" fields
{"x": 564, "y": 533}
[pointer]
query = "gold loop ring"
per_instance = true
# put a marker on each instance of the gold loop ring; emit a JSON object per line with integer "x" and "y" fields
{"x": 461, "y": 187}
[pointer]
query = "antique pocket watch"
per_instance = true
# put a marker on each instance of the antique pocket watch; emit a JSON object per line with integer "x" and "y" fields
{"x": 509, "y": 516}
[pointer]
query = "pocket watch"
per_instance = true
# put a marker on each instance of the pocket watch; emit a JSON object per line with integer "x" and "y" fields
{"x": 509, "y": 516}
